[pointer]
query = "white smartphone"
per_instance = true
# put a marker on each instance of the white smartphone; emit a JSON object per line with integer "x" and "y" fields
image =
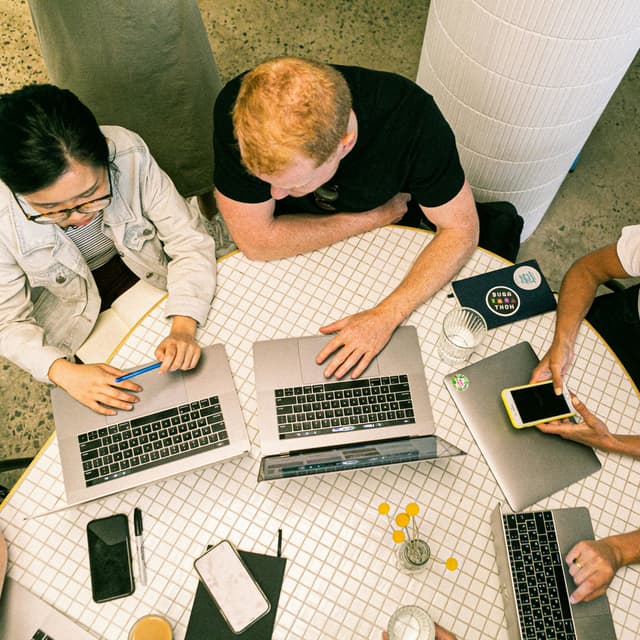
{"x": 232, "y": 586}
{"x": 532, "y": 404}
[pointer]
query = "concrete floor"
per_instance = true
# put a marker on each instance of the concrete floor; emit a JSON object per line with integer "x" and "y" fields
{"x": 602, "y": 195}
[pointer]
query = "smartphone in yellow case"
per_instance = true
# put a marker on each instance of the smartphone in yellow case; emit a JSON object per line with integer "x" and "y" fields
{"x": 531, "y": 404}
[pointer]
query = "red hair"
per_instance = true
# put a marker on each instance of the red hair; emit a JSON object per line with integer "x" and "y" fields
{"x": 287, "y": 107}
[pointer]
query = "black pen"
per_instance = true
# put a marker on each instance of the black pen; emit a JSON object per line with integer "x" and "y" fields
{"x": 279, "y": 543}
{"x": 137, "y": 525}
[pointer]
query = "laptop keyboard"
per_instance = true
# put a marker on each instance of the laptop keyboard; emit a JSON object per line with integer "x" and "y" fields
{"x": 332, "y": 407}
{"x": 538, "y": 578}
{"x": 145, "y": 442}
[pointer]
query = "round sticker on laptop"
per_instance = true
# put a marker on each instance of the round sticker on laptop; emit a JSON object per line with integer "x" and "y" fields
{"x": 460, "y": 382}
{"x": 503, "y": 301}
{"x": 527, "y": 277}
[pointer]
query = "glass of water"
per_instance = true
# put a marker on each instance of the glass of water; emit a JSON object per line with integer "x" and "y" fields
{"x": 411, "y": 623}
{"x": 463, "y": 330}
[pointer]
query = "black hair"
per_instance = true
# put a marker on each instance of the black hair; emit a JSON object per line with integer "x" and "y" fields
{"x": 43, "y": 127}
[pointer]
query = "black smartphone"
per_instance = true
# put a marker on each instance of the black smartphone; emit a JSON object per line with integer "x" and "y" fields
{"x": 110, "y": 558}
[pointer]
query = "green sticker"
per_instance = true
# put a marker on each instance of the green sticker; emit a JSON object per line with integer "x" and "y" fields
{"x": 460, "y": 382}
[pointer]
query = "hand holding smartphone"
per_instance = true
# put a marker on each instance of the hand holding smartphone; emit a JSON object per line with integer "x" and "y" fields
{"x": 232, "y": 586}
{"x": 531, "y": 404}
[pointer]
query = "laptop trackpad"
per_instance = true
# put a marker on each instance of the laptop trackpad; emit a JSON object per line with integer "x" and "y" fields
{"x": 573, "y": 525}
{"x": 159, "y": 391}
{"x": 312, "y": 373}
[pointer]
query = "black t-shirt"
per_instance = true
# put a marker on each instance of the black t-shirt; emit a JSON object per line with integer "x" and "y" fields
{"x": 404, "y": 144}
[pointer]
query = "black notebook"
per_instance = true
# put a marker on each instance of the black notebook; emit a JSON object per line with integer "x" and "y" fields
{"x": 506, "y": 295}
{"x": 206, "y": 621}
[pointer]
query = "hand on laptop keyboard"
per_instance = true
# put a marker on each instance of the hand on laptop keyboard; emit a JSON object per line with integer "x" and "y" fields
{"x": 359, "y": 339}
{"x": 92, "y": 385}
{"x": 179, "y": 350}
{"x": 592, "y": 564}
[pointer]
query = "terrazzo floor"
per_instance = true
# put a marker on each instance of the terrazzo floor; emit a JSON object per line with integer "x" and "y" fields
{"x": 602, "y": 195}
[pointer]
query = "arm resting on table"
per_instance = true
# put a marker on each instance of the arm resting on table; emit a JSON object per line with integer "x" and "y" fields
{"x": 361, "y": 336}
{"x": 261, "y": 235}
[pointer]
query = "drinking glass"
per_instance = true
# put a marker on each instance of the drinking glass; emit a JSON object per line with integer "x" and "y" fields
{"x": 463, "y": 330}
{"x": 151, "y": 627}
{"x": 411, "y": 623}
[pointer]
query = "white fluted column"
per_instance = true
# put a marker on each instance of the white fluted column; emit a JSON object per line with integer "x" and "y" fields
{"x": 522, "y": 83}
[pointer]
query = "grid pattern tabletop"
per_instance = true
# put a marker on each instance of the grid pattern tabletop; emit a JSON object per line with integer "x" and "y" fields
{"x": 342, "y": 579}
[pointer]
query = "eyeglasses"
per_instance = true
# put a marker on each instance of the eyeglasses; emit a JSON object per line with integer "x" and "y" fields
{"x": 91, "y": 206}
{"x": 326, "y": 196}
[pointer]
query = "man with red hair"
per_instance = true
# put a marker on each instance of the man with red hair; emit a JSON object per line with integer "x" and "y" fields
{"x": 308, "y": 154}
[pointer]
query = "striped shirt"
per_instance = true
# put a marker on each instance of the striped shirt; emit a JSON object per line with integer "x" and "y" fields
{"x": 94, "y": 246}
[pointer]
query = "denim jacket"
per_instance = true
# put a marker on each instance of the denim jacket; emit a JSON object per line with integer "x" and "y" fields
{"x": 49, "y": 301}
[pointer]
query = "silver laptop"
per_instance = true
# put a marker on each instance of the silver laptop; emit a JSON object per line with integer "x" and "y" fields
{"x": 536, "y": 584}
{"x": 527, "y": 464}
{"x": 311, "y": 424}
{"x": 184, "y": 420}
{"x": 24, "y": 616}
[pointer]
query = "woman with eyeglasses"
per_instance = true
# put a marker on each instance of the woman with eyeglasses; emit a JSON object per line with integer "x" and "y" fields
{"x": 85, "y": 212}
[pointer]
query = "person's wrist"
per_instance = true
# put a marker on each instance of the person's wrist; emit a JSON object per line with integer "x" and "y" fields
{"x": 57, "y": 370}
{"x": 184, "y": 325}
{"x": 564, "y": 338}
{"x": 383, "y": 216}
{"x": 612, "y": 444}
{"x": 391, "y": 313}
{"x": 377, "y": 218}
{"x": 614, "y": 543}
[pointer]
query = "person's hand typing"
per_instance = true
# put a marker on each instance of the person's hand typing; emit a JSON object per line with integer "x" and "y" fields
{"x": 179, "y": 350}
{"x": 94, "y": 385}
{"x": 592, "y": 564}
{"x": 359, "y": 338}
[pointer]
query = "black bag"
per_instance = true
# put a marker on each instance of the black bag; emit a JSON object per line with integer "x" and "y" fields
{"x": 500, "y": 226}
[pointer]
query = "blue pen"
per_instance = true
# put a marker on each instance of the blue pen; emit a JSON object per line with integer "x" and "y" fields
{"x": 139, "y": 372}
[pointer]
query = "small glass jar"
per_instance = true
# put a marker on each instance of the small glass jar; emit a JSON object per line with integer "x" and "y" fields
{"x": 413, "y": 555}
{"x": 411, "y": 623}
